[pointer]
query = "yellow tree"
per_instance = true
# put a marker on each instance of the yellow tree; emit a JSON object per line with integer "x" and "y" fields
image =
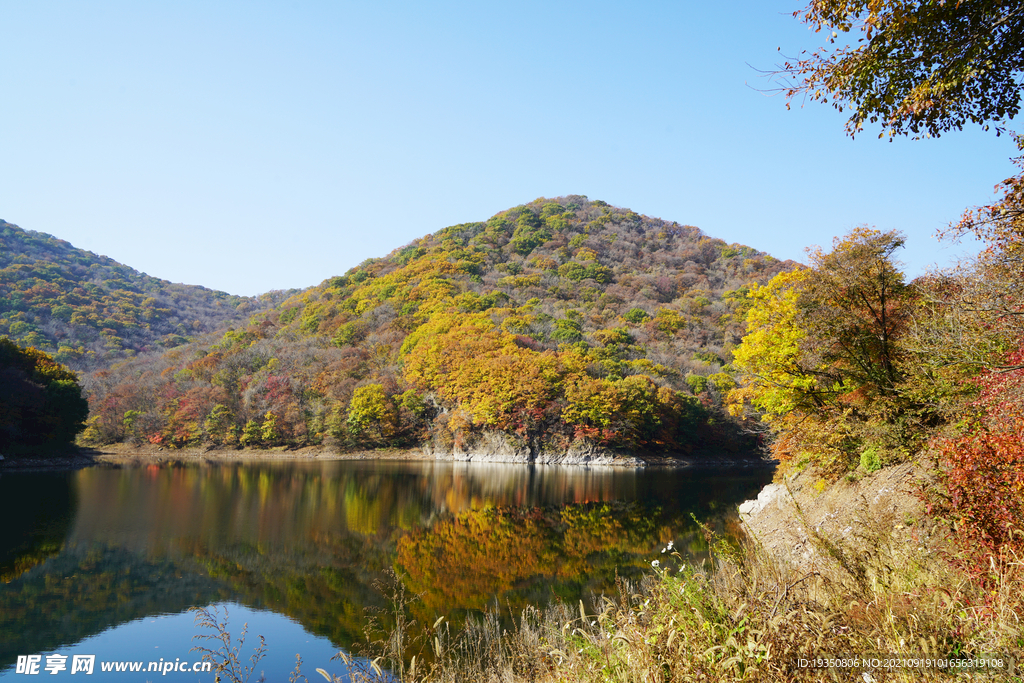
{"x": 769, "y": 355}
{"x": 822, "y": 355}
{"x": 371, "y": 413}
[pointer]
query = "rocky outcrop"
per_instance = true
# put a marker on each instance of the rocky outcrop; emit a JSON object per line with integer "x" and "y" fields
{"x": 498, "y": 447}
{"x": 797, "y": 519}
{"x": 772, "y": 494}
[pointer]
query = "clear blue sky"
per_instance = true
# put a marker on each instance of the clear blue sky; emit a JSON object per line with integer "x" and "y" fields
{"x": 250, "y": 146}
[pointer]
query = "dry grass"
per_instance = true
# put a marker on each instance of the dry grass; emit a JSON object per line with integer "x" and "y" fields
{"x": 750, "y": 618}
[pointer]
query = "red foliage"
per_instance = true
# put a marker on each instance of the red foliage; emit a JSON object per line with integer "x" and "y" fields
{"x": 278, "y": 388}
{"x": 602, "y": 437}
{"x": 983, "y": 471}
{"x": 984, "y": 481}
{"x": 524, "y": 342}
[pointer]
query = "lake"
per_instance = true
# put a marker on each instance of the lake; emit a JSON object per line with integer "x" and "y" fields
{"x": 107, "y": 561}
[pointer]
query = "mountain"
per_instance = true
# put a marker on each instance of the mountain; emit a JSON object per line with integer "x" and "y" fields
{"x": 89, "y": 311}
{"x": 556, "y": 325}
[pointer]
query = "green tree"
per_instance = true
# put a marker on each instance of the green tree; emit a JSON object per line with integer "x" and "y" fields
{"x": 251, "y": 433}
{"x": 567, "y": 331}
{"x": 529, "y": 234}
{"x": 697, "y": 383}
{"x": 220, "y": 424}
{"x": 636, "y": 316}
{"x": 916, "y": 66}
{"x": 41, "y": 403}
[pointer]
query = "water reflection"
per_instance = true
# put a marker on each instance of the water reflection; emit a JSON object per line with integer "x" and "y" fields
{"x": 267, "y": 503}
{"x": 308, "y": 539}
{"x": 37, "y": 510}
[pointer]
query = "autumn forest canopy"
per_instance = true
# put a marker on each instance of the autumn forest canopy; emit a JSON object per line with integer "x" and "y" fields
{"x": 556, "y": 324}
{"x": 90, "y": 311}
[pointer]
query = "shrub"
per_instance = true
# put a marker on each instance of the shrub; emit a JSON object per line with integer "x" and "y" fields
{"x": 636, "y": 316}
{"x": 698, "y": 383}
{"x": 870, "y": 461}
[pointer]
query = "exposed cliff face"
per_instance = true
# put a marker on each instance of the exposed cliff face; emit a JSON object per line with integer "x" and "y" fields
{"x": 496, "y": 447}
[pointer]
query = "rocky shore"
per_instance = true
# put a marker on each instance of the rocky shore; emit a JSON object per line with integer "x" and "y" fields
{"x": 484, "y": 451}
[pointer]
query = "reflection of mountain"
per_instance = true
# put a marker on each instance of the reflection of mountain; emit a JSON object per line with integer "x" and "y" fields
{"x": 87, "y": 589}
{"x": 308, "y": 539}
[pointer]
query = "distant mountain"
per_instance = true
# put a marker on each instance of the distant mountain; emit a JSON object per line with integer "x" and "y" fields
{"x": 557, "y": 325}
{"x": 90, "y": 311}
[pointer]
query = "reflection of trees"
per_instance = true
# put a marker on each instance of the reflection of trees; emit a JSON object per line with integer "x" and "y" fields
{"x": 326, "y": 586}
{"x": 308, "y": 539}
{"x": 280, "y": 503}
{"x": 516, "y": 555}
{"x": 37, "y": 510}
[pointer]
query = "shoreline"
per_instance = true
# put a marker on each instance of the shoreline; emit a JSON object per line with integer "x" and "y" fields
{"x": 129, "y": 455}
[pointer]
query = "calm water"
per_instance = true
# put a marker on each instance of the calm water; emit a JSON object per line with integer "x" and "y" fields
{"x": 107, "y": 561}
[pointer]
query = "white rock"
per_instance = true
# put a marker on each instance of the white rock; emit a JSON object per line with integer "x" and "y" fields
{"x": 768, "y": 494}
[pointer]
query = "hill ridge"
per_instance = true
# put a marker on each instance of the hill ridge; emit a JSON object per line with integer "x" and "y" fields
{"x": 89, "y": 310}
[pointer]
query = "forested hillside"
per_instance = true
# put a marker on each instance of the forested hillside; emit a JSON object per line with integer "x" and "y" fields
{"x": 555, "y": 323}
{"x": 89, "y": 311}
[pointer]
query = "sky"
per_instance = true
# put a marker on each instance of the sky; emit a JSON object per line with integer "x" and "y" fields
{"x": 254, "y": 146}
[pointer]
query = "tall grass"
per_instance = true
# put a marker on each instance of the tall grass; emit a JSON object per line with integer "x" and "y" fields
{"x": 749, "y": 616}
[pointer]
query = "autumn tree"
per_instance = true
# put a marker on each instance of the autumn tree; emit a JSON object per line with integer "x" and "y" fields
{"x": 779, "y": 379}
{"x": 980, "y": 489}
{"x": 977, "y": 305}
{"x": 822, "y": 354}
{"x": 854, "y": 304}
{"x": 973, "y": 338}
{"x": 372, "y": 413}
{"x": 916, "y": 67}
{"x": 926, "y": 67}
